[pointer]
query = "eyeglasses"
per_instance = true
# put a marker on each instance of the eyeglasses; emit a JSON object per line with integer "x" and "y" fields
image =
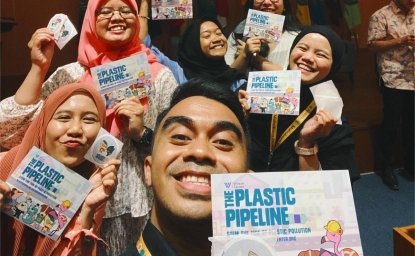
{"x": 260, "y": 1}
{"x": 108, "y": 12}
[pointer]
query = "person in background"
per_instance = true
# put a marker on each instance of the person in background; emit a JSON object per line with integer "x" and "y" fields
{"x": 240, "y": 53}
{"x": 110, "y": 32}
{"x": 312, "y": 140}
{"x": 203, "y": 132}
{"x": 65, "y": 128}
{"x": 391, "y": 36}
{"x": 201, "y": 53}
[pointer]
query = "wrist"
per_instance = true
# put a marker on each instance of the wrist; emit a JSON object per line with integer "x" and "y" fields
{"x": 305, "y": 150}
{"x": 86, "y": 217}
{"x": 145, "y": 138}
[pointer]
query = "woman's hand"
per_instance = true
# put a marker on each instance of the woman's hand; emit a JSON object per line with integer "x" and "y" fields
{"x": 244, "y": 100}
{"x": 4, "y": 190}
{"x": 319, "y": 126}
{"x": 42, "y": 46}
{"x": 131, "y": 114}
{"x": 104, "y": 183}
{"x": 253, "y": 45}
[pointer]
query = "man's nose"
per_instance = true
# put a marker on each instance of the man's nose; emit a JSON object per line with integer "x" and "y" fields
{"x": 201, "y": 150}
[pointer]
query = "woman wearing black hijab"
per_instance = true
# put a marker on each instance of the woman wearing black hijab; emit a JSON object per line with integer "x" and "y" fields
{"x": 317, "y": 52}
{"x": 201, "y": 54}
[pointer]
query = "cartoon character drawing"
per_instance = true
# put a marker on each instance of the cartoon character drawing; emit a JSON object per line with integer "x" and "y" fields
{"x": 40, "y": 217}
{"x": 104, "y": 149}
{"x": 22, "y": 206}
{"x": 30, "y": 215}
{"x": 56, "y": 217}
{"x": 11, "y": 200}
{"x": 334, "y": 234}
{"x": 263, "y": 104}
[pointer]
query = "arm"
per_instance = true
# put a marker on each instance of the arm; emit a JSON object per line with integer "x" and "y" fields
{"x": 143, "y": 16}
{"x": 15, "y": 118}
{"x": 42, "y": 47}
{"x": 320, "y": 125}
{"x": 380, "y": 39}
{"x": 85, "y": 227}
{"x": 387, "y": 44}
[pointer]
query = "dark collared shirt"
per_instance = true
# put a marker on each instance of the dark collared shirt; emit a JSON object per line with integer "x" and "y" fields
{"x": 151, "y": 243}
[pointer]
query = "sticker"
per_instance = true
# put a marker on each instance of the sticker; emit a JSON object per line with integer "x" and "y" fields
{"x": 104, "y": 148}
{"x": 62, "y": 28}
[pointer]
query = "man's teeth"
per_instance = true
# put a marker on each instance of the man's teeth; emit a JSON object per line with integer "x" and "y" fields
{"x": 196, "y": 180}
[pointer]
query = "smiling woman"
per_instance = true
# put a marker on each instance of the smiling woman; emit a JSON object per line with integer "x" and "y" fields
{"x": 311, "y": 141}
{"x": 110, "y": 32}
{"x": 65, "y": 129}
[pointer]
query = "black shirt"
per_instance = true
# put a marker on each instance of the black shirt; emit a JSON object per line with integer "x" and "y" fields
{"x": 155, "y": 243}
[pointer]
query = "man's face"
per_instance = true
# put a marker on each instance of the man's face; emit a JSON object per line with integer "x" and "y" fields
{"x": 197, "y": 138}
{"x": 405, "y": 5}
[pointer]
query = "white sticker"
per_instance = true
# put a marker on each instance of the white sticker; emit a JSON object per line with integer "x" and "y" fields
{"x": 105, "y": 148}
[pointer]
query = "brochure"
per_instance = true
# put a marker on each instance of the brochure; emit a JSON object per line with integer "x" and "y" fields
{"x": 266, "y": 24}
{"x": 284, "y": 213}
{"x": 274, "y": 92}
{"x": 45, "y": 193}
{"x": 171, "y": 9}
{"x": 123, "y": 78}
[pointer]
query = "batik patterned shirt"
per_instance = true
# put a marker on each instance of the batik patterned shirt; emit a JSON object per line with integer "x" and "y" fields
{"x": 396, "y": 65}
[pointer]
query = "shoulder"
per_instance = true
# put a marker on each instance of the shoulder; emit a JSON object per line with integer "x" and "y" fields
{"x": 131, "y": 251}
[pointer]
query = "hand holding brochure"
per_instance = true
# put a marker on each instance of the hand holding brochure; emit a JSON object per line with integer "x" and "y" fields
{"x": 45, "y": 193}
{"x": 266, "y": 24}
{"x": 274, "y": 92}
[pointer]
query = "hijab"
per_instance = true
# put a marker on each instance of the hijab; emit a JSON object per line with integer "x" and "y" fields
{"x": 18, "y": 234}
{"x": 196, "y": 64}
{"x": 336, "y": 44}
{"x": 93, "y": 52}
{"x": 262, "y": 122}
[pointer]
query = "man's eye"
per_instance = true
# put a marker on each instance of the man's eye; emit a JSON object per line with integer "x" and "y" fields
{"x": 224, "y": 144}
{"x": 180, "y": 137}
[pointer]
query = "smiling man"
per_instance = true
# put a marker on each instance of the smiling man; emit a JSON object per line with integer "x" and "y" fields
{"x": 202, "y": 132}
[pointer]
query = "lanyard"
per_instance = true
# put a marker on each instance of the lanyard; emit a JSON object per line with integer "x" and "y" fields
{"x": 273, "y": 144}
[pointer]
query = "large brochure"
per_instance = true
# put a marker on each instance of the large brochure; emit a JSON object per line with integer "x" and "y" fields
{"x": 45, "y": 193}
{"x": 284, "y": 214}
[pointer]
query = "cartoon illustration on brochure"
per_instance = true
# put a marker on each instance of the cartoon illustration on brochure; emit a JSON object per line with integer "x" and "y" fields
{"x": 334, "y": 233}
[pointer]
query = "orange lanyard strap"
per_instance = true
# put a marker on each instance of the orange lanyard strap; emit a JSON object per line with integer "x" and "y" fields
{"x": 273, "y": 145}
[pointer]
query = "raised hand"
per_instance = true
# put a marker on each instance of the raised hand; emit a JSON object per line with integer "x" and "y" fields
{"x": 130, "y": 112}
{"x": 42, "y": 46}
{"x": 4, "y": 190}
{"x": 104, "y": 183}
{"x": 320, "y": 125}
